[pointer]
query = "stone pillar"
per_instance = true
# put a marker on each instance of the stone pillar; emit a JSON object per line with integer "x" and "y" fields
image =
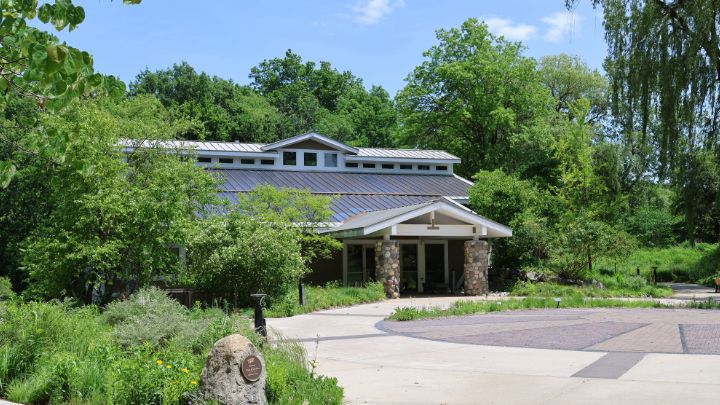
{"x": 476, "y": 267}
{"x": 387, "y": 266}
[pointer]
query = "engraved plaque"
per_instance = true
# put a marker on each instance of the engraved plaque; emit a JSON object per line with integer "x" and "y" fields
{"x": 251, "y": 368}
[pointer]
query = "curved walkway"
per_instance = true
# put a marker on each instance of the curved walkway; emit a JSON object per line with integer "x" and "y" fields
{"x": 377, "y": 367}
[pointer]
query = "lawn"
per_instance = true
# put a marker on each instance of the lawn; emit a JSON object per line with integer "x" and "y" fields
{"x": 460, "y": 308}
{"x": 147, "y": 350}
{"x": 324, "y": 297}
{"x": 682, "y": 263}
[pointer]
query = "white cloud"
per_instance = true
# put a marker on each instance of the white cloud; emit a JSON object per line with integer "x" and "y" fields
{"x": 369, "y": 12}
{"x": 561, "y": 24}
{"x": 506, "y": 28}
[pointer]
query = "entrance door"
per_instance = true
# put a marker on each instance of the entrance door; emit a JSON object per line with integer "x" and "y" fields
{"x": 408, "y": 268}
{"x": 360, "y": 265}
{"x": 436, "y": 278}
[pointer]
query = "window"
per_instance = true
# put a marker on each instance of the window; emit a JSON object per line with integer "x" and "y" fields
{"x": 388, "y": 166}
{"x": 348, "y": 164}
{"x": 267, "y": 162}
{"x": 310, "y": 159}
{"x": 405, "y": 167}
{"x": 204, "y": 159}
{"x": 248, "y": 161}
{"x": 368, "y": 165}
{"x": 289, "y": 158}
{"x": 441, "y": 168}
{"x": 331, "y": 160}
{"x": 226, "y": 160}
{"x": 423, "y": 167}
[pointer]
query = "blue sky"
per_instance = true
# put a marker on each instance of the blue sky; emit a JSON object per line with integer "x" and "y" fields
{"x": 380, "y": 41}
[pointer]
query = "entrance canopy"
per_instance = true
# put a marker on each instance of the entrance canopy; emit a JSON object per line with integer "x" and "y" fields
{"x": 442, "y": 217}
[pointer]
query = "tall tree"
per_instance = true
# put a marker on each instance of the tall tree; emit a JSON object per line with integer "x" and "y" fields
{"x": 318, "y": 97}
{"x": 477, "y": 96}
{"x": 664, "y": 65}
{"x": 569, "y": 79}
{"x": 224, "y": 110}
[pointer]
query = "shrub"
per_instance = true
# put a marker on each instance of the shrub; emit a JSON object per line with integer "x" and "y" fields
{"x": 149, "y": 316}
{"x": 239, "y": 255}
{"x": 6, "y": 291}
{"x": 329, "y": 296}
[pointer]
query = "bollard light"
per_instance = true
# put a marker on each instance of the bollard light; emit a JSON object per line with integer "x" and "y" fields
{"x": 301, "y": 293}
{"x": 557, "y": 301}
{"x": 259, "y": 318}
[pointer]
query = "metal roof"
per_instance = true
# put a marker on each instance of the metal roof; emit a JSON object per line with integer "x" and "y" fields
{"x": 347, "y": 183}
{"x": 345, "y": 206}
{"x": 215, "y": 146}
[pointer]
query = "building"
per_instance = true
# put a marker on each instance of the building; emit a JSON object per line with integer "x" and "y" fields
{"x": 401, "y": 214}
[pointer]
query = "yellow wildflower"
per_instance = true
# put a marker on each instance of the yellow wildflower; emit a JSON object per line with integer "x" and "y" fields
{"x": 185, "y": 370}
{"x": 159, "y": 362}
{"x": 168, "y": 366}
{"x": 193, "y": 382}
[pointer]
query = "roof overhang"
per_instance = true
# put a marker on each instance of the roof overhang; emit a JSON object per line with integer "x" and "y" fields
{"x": 400, "y": 160}
{"x": 399, "y": 222}
{"x": 310, "y": 137}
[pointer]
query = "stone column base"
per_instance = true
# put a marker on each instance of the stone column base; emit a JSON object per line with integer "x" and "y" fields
{"x": 387, "y": 266}
{"x": 476, "y": 267}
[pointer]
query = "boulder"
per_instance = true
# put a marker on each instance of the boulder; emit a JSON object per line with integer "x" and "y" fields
{"x": 232, "y": 374}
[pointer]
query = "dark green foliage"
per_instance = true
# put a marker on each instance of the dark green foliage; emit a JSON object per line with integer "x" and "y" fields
{"x": 479, "y": 97}
{"x": 317, "y": 97}
{"x": 112, "y": 222}
{"x": 224, "y": 110}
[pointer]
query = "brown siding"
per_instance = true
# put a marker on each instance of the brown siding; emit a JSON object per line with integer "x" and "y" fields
{"x": 324, "y": 270}
{"x": 310, "y": 145}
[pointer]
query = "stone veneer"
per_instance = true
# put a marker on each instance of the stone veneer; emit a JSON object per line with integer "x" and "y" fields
{"x": 476, "y": 267}
{"x": 387, "y": 266}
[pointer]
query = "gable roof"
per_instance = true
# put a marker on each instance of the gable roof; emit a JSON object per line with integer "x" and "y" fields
{"x": 310, "y": 137}
{"x": 368, "y": 223}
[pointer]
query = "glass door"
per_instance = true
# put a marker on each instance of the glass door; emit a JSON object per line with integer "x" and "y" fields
{"x": 360, "y": 265}
{"x": 435, "y": 275}
{"x": 408, "y": 268}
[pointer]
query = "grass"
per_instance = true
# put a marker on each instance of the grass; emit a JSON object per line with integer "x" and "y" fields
{"x": 131, "y": 354}
{"x": 681, "y": 263}
{"x": 328, "y": 296}
{"x": 460, "y": 308}
{"x": 622, "y": 289}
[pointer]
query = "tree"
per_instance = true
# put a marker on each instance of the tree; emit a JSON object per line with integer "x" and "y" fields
{"x": 34, "y": 65}
{"x": 664, "y": 70}
{"x": 300, "y": 210}
{"x": 225, "y": 110}
{"x": 570, "y": 79}
{"x": 475, "y": 95}
{"x": 114, "y": 219}
{"x": 531, "y": 213}
{"x": 240, "y": 255}
{"x": 262, "y": 244}
{"x": 317, "y": 97}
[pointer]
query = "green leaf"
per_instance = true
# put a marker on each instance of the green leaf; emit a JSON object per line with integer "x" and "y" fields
{"x": 45, "y": 13}
{"x": 7, "y": 172}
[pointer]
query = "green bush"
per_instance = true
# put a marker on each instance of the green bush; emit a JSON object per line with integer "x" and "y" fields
{"x": 6, "y": 291}
{"x": 239, "y": 255}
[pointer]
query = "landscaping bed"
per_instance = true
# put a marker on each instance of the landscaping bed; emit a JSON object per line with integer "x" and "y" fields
{"x": 325, "y": 297}
{"x": 147, "y": 350}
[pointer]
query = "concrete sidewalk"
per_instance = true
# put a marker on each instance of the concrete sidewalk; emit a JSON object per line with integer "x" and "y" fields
{"x": 375, "y": 367}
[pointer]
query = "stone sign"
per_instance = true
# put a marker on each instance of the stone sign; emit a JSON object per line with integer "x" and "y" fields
{"x": 234, "y": 373}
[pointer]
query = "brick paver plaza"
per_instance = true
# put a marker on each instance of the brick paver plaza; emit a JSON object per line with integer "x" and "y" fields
{"x": 608, "y": 330}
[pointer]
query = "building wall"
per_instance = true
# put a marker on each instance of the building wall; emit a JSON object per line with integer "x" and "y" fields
{"x": 325, "y": 270}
